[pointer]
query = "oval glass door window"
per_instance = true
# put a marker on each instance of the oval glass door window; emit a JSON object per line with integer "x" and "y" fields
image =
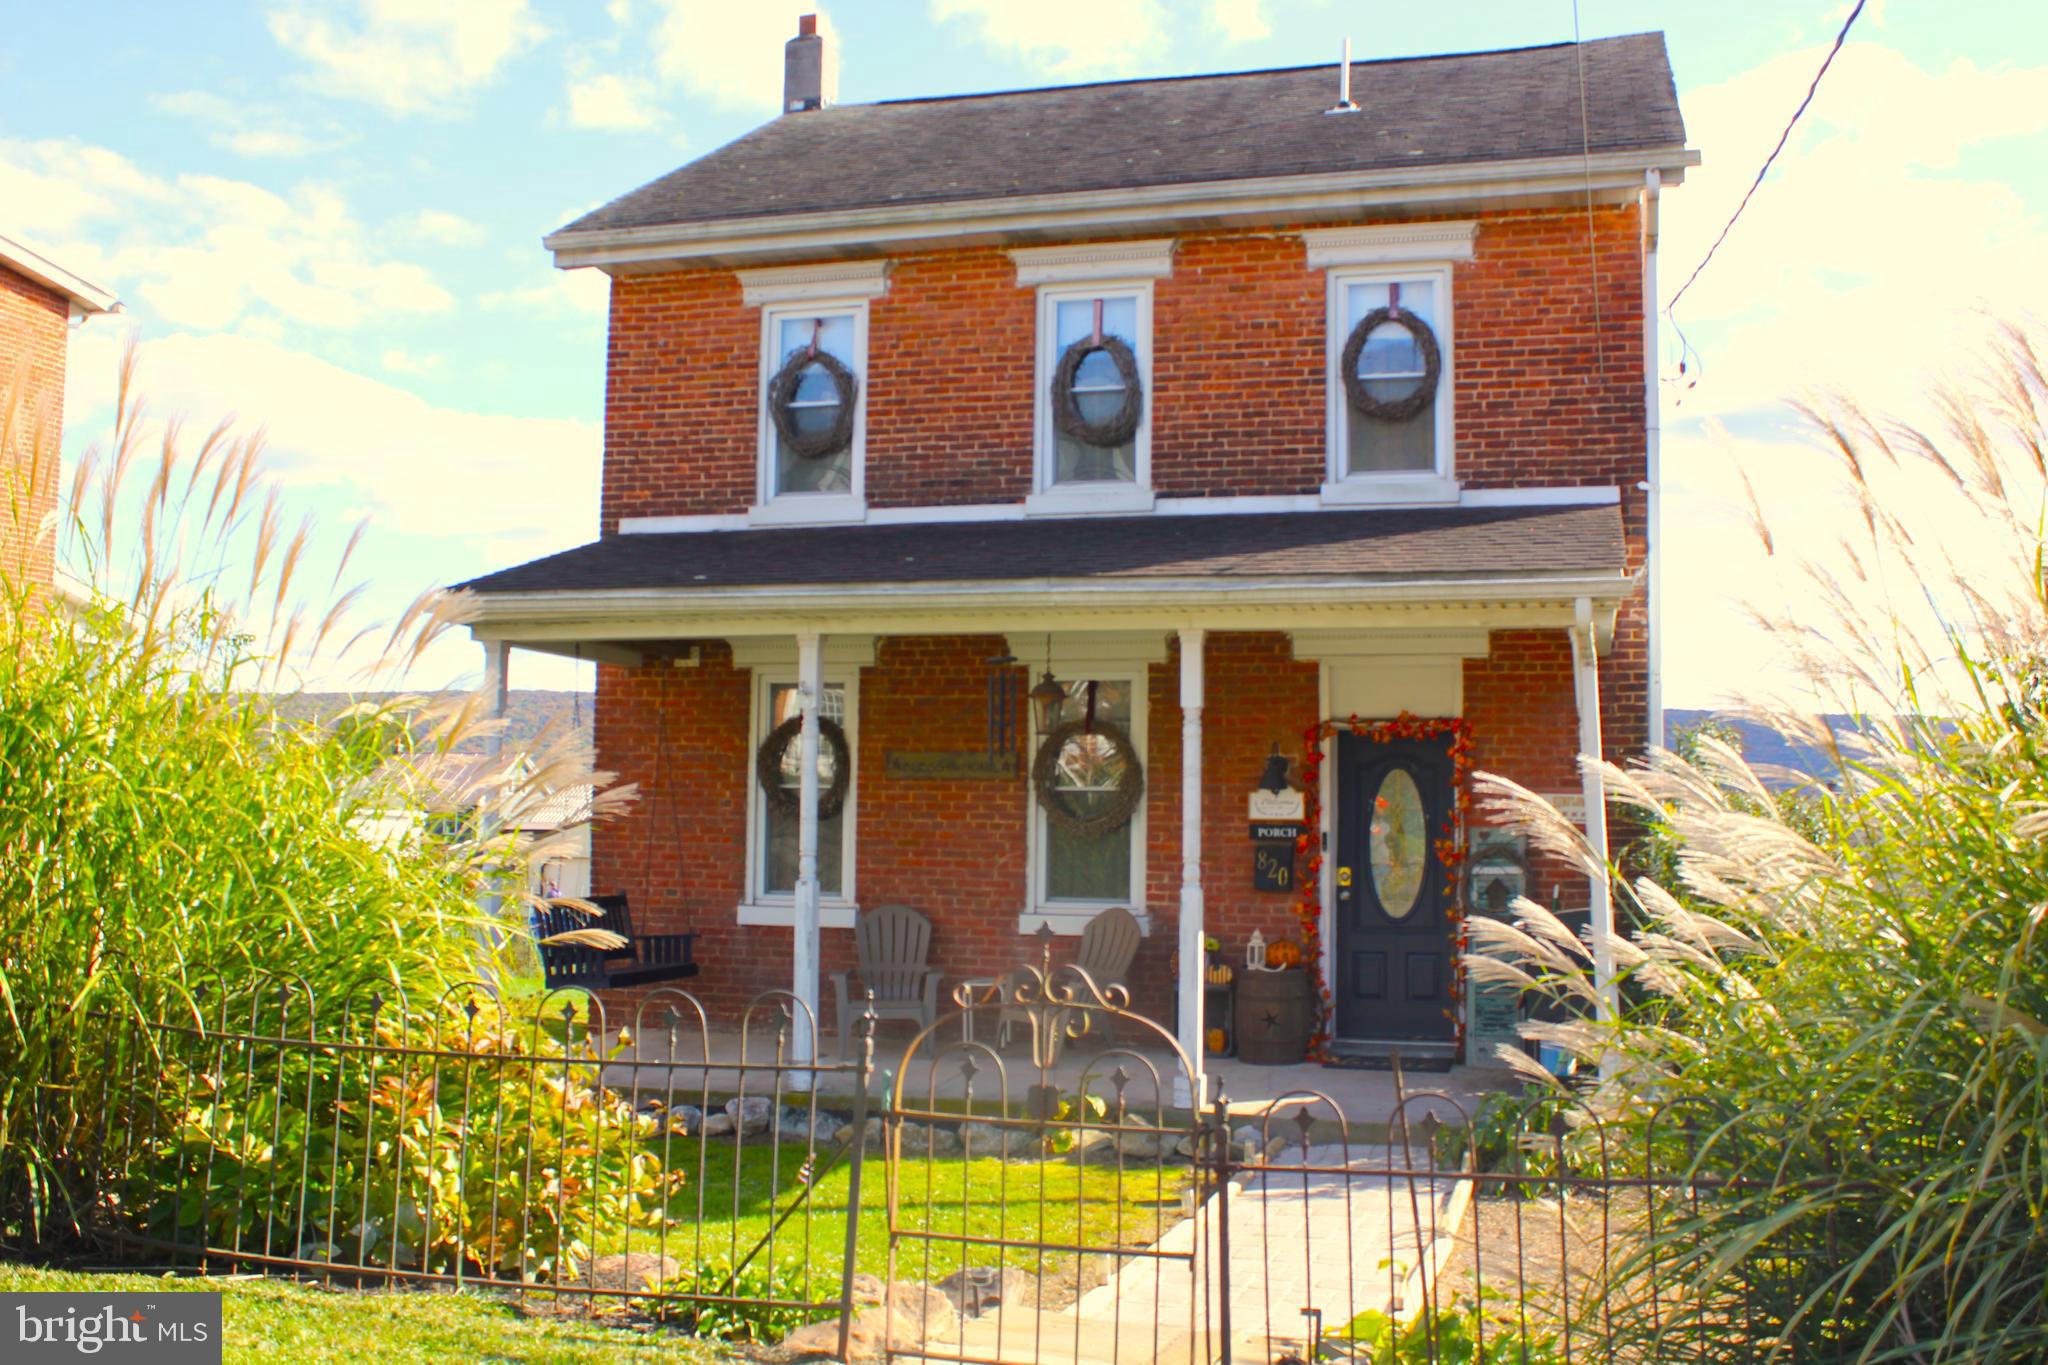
{"x": 1398, "y": 843}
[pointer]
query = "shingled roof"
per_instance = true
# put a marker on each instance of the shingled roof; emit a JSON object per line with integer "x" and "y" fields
{"x": 1503, "y": 106}
{"x": 1408, "y": 544}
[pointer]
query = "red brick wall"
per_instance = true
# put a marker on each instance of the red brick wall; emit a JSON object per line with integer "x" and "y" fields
{"x": 956, "y": 848}
{"x": 1548, "y": 364}
{"x": 33, "y": 331}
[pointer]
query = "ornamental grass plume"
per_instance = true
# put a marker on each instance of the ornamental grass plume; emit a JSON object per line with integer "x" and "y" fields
{"x": 1839, "y": 997}
{"x": 162, "y": 824}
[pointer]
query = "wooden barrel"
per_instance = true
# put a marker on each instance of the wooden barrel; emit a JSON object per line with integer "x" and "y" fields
{"x": 1273, "y": 1017}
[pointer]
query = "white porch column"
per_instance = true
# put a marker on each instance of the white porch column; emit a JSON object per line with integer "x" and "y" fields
{"x": 1191, "y": 928}
{"x": 497, "y": 693}
{"x": 1586, "y": 687}
{"x": 810, "y": 689}
{"x": 497, "y": 689}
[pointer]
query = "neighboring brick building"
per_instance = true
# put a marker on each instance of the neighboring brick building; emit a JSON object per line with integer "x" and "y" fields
{"x": 1235, "y": 413}
{"x": 39, "y": 300}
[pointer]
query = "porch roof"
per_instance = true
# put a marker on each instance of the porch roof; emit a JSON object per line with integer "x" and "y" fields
{"x": 1406, "y": 545}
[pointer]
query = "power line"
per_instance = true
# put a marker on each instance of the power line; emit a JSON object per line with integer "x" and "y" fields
{"x": 1783, "y": 138}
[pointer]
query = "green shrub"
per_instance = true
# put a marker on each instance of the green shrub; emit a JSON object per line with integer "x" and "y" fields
{"x": 487, "y": 1149}
{"x": 162, "y": 828}
{"x": 1833, "y": 1036}
{"x": 1462, "y": 1334}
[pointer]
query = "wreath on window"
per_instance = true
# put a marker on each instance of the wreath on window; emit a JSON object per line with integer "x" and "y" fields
{"x": 812, "y": 445}
{"x": 1121, "y": 425}
{"x": 768, "y": 767}
{"x": 1055, "y": 800}
{"x": 1415, "y": 400}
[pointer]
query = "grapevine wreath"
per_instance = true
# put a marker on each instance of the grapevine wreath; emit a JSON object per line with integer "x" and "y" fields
{"x": 768, "y": 767}
{"x": 1416, "y": 399}
{"x": 1121, "y": 425}
{"x": 1124, "y": 799}
{"x": 813, "y": 445}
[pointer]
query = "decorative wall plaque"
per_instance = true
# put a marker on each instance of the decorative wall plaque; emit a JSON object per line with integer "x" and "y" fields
{"x": 972, "y": 765}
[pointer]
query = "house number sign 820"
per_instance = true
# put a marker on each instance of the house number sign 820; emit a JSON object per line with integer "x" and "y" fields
{"x": 1273, "y": 867}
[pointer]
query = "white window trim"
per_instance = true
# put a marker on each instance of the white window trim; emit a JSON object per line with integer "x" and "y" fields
{"x": 1071, "y": 917}
{"x": 1391, "y": 243}
{"x": 795, "y": 509}
{"x": 835, "y": 910}
{"x": 1048, "y": 498}
{"x": 1437, "y": 486}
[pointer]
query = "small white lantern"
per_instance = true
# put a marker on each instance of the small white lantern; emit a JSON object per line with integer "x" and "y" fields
{"x": 1255, "y": 952}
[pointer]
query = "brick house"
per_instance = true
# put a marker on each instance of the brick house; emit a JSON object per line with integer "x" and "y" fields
{"x": 39, "y": 300}
{"x": 1240, "y": 406}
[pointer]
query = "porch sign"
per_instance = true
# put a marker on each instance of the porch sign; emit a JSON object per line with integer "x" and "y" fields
{"x": 1276, "y": 820}
{"x": 976, "y": 765}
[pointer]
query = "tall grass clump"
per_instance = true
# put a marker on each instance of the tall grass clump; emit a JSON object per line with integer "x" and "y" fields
{"x": 1836, "y": 1011}
{"x": 160, "y": 826}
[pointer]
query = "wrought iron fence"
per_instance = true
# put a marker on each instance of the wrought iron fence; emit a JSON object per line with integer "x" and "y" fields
{"x": 1057, "y": 1199}
{"x": 533, "y": 1147}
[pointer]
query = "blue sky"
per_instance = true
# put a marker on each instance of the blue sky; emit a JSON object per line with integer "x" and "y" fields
{"x": 326, "y": 218}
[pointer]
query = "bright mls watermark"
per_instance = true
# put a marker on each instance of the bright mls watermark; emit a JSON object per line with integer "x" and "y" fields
{"x": 173, "y": 1328}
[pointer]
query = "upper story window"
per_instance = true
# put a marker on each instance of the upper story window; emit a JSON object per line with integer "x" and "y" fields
{"x": 1096, "y": 397}
{"x": 1391, "y": 373}
{"x": 1093, "y": 414}
{"x": 813, "y": 434}
{"x": 813, "y": 388}
{"x": 1392, "y": 363}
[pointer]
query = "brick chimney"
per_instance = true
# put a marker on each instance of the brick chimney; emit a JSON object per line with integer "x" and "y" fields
{"x": 810, "y": 70}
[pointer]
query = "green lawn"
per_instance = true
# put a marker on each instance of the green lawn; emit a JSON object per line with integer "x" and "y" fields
{"x": 281, "y": 1320}
{"x": 985, "y": 1197}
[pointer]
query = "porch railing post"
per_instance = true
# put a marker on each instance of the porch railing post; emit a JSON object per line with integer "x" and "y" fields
{"x": 863, "y": 1077}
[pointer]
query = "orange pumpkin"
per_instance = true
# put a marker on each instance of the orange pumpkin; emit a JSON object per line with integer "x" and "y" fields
{"x": 1215, "y": 1040}
{"x": 1283, "y": 952}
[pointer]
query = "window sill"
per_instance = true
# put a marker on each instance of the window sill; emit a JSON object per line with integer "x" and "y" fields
{"x": 1075, "y": 500}
{"x": 1069, "y": 921}
{"x": 782, "y": 914}
{"x": 809, "y": 509}
{"x": 1379, "y": 490}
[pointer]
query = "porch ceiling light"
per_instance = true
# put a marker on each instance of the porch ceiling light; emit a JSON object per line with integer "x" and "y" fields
{"x": 1048, "y": 699}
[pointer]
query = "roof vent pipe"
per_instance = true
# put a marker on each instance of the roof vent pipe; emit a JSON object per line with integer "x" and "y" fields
{"x": 1343, "y": 104}
{"x": 810, "y": 70}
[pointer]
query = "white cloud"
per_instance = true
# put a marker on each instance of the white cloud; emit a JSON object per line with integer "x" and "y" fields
{"x": 607, "y": 102}
{"x": 206, "y": 251}
{"x": 402, "y": 362}
{"x": 582, "y": 291}
{"x": 1242, "y": 21}
{"x": 408, "y": 56}
{"x": 1066, "y": 37}
{"x": 341, "y": 439}
{"x": 251, "y": 130}
{"x": 728, "y": 54}
{"x": 1867, "y": 264}
{"x": 443, "y": 228}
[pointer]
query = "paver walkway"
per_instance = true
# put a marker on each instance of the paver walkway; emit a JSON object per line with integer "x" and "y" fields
{"x": 1332, "y": 1243}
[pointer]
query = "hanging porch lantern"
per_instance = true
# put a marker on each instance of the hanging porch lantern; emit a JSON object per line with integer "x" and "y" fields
{"x": 1048, "y": 699}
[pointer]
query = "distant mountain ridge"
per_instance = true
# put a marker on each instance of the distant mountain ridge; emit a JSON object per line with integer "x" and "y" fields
{"x": 529, "y": 711}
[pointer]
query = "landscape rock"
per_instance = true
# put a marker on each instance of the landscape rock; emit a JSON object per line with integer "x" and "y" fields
{"x": 686, "y": 1120}
{"x": 871, "y": 1135}
{"x": 918, "y": 1315}
{"x": 978, "y": 1289}
{"x": 750, "y": 1114}
{"x": 718, "y": 1125}
{"x": 988, "y": 1139}
{"x": 635, "y": 1270}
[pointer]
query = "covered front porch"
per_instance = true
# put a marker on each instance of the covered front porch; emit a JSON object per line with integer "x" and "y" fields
{"x": 896, "y": 667}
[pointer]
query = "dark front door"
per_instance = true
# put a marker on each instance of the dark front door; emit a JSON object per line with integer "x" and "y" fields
{"x": 1393, "y": 939}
